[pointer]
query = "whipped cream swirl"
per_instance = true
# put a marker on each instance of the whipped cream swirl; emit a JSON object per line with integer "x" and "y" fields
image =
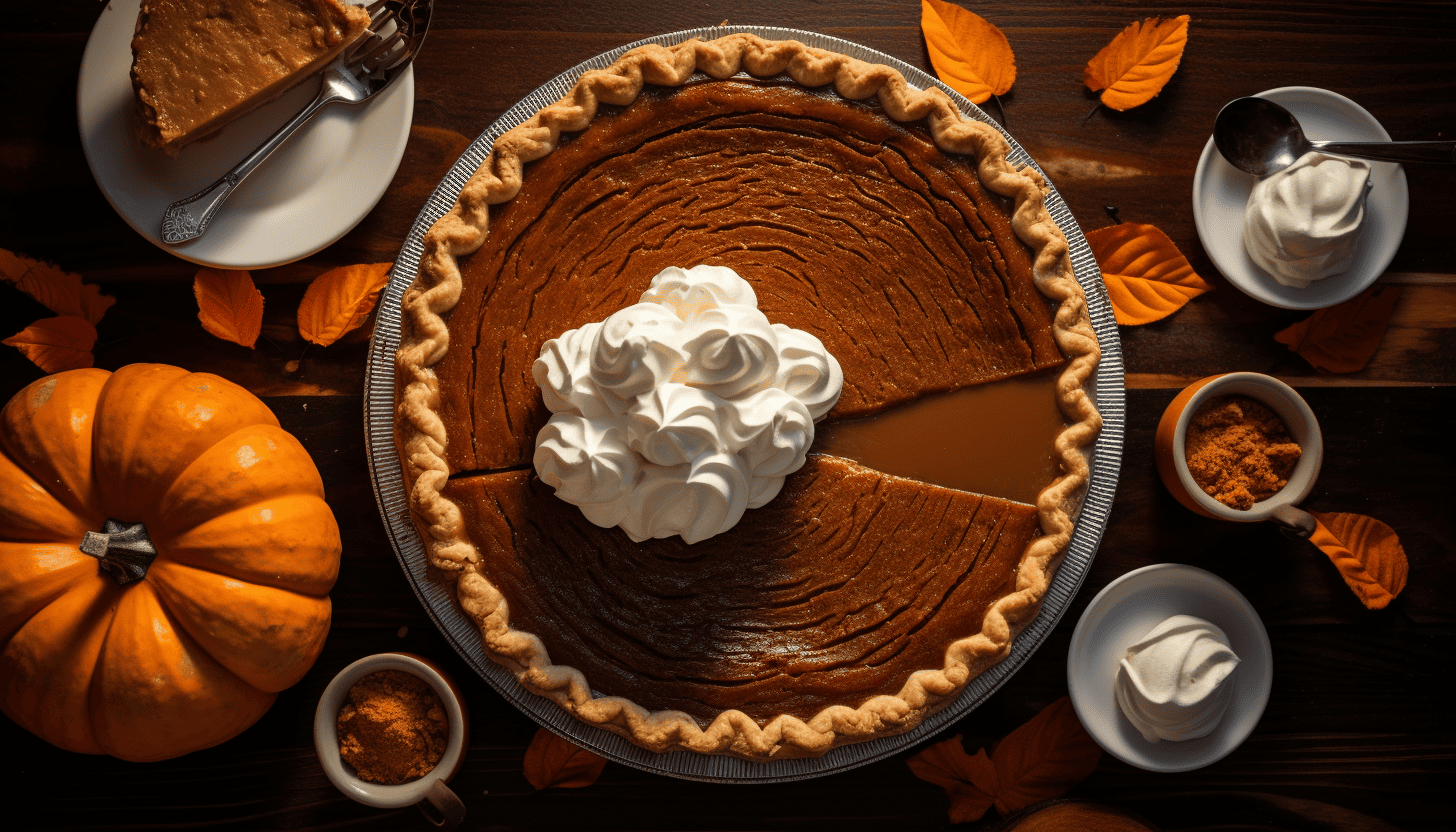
{"x": 1172, "y": 684}
{"x": 1301, "y": 224}
{"x": 677, "y": 414}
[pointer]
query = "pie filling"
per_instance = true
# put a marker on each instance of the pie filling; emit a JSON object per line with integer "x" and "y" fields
{"x": 849, "y": 226}
{"x": 835, "y": 591}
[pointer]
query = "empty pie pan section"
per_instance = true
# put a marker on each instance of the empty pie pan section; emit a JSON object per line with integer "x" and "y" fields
{"x": 437, "y": 595}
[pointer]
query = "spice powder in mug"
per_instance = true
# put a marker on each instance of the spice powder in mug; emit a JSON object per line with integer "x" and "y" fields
{"x": 1239, "y": 451}
{"x": 392, "y": 728}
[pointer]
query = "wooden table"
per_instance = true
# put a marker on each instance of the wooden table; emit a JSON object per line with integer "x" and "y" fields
{"x": 1359, "y": 733}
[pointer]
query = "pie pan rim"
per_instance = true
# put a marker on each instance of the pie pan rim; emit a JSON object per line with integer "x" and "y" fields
{"x": 436, "y": 596}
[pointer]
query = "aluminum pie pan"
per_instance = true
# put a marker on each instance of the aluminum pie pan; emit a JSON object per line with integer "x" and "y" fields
{"x": 436, "y": 591}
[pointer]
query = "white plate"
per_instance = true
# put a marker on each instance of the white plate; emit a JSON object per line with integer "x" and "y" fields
{"x": 1220, "y": 192}
{"x": 1124, "y": 612}
{"x": 311, "y": 192}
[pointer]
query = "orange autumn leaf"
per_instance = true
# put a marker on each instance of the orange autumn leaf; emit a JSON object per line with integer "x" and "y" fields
{"x": 229, "y": 305}
{"x": 1133, "y": 68}
{"x": 1147, "y": 278}
{"x": 554, "y": 762}
{"x": 1342, "y": 338}
{"x": 1041, "y": 760}
{"x": 57, "y": 344}
{"x": 969, "y": 54}
{"x": 969, "y": 780}
{"x": 339, "y": 300}
{"x": 1367, "y": 553}
{"x": 1044, "y": 758}
{"x": 59, "y": 291}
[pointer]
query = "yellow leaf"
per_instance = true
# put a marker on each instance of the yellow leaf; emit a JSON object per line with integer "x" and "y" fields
{"x": 229, "y": 305}
{"x": 553, "y": 761}
{"x": 1343, "y": 338}
{"x": 57, "y": 344}
{"x": 969, "y": 54}
{"x": 970, "y": 781}
{"x": 1137, "y": 63}
{"x": 339, "y": 300}
{"x": 1044, "y": 758}
{"x": 1368, "y": 554}
{"x": 1147, "y": 278}
{"x": 59, "y": 291}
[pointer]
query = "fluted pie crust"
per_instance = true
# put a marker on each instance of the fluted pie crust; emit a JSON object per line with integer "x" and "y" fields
{"x": 422, "y": 435}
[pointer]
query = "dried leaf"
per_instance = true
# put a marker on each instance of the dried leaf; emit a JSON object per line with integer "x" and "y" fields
{"x": 1137, "y": 63}
{"x": 229, "y": 305}
{"x": 969, "y": 54}
{"x": 59, "y": 291}
{"x": 1342, "y": 338}
{"x": 1043, "y": 758}
{"x": 1147, "y": 278}
{"x": 1367, "y": 553}
{"x": 969, "y": 780}
{"x": 57, "y": 344}
{"x": 554, "y": 762}
{"x": 339, "y": 300}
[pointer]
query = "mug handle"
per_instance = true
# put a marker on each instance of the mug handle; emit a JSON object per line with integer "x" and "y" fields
{"x": 1294, "y": 522}
{"x": 442, "y": 807}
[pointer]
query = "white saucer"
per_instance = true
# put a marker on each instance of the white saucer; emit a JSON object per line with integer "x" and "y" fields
{"x": 1125, "y": 611}
{"x": 1220, "y": 192}
{"x": 311, "y": 192}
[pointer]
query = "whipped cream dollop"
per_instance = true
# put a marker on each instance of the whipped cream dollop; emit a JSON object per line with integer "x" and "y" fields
{"x": 675, "y": 415}
{"x": 1173, "y": 683}
{"x": 1301, "y": 224}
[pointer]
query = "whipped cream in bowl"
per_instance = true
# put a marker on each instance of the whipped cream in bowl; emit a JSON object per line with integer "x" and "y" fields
{"x": 676, "y": 415}
{"x": 1221, "y": 199}
{"x": 1302, "y": 223}
{"x": 1173, "y": 684}
{"x": 1169, "y": 668}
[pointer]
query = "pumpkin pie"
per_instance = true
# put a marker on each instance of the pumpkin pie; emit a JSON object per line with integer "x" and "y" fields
{"x": 861, "y": 210}
{"x": 198, "y": 66}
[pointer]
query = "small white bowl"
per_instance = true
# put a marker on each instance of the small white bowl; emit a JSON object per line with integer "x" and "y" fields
{"x": 1169, "y": 444}
{"x": 1220, "y": 192}
{"x": 429, "y": 791}
{"x": 1124, "y": 612}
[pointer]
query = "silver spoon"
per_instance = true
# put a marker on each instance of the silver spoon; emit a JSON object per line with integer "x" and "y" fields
{"x": 1260, "y": 137}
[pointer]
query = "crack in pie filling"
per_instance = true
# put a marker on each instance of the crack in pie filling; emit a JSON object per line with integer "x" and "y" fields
{"x": 867, "y": 213}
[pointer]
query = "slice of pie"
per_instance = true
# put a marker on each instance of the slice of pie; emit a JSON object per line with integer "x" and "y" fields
{"x": 196, "y": 66}
{"x": 861, "y": 210}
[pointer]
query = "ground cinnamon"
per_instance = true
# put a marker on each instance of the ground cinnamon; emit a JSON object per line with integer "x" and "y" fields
{"x": 1239, "y": 451}
{"x": 393, "y": 728}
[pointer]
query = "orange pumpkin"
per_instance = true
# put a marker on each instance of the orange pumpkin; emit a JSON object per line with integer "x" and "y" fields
{"x": 108, "y": 648}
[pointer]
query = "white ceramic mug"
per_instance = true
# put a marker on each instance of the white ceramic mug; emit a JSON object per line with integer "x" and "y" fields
{"x": 440, "y": 806}
{"x": 1170, "y": 442}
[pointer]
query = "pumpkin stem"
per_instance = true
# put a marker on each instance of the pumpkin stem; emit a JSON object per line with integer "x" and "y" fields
{"x": 124, "y": 550}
